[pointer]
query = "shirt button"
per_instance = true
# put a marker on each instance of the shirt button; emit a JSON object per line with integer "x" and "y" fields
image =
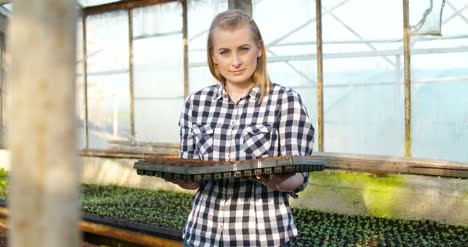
{"x": 220, "y": 227}
{"x": 233, "y": 122}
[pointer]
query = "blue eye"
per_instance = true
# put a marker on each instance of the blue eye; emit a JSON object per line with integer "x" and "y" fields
{"x": 223, "y": 52}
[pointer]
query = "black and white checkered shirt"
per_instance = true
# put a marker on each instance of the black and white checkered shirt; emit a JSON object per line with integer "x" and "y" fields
{"x": 234, "y": 212}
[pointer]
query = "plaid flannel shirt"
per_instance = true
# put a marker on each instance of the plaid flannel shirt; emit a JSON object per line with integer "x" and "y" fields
{"x": 234, "y": 212}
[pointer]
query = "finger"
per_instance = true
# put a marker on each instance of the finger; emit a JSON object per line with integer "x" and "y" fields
{"x": 265, "y": 179}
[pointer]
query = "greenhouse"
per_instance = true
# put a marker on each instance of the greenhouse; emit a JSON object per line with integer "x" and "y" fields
{"x": 176, "y": 123}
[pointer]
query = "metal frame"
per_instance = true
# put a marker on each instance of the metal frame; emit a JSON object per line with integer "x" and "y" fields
{"x": 407, "y": 69}
{"x": 128, "y": 5}
{"x": 185, "y": 38}
{"x": 2, "y": 89}
{"x": 319, "y": 56}
{"x": 131, "y": 75}
{"x": 318, "y": 17}
{"x": 85, "y": 80}
{"x": 122, "y": 5}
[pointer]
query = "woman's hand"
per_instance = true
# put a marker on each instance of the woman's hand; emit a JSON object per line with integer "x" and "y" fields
{"x": 286, "y": 182}
{"x": 185, "y": 184}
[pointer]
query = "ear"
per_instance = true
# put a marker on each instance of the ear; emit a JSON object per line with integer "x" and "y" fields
{"x": 259, "y": 46}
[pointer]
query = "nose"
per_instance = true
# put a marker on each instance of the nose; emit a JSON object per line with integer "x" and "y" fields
{"x": 236, "y": 61}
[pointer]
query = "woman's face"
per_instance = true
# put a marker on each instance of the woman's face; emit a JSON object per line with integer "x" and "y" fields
{"x": 235, "y": 53}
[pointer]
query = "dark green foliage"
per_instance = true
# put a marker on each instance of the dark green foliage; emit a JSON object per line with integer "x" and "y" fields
{"x": 170, "y": 210}
{"x": 161, "y": 208}
{"x": 3, "y": 183}
{"x": 328, "y": 229}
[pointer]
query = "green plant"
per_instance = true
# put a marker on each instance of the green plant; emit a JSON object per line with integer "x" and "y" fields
{"x": 3, "y": 183}
{"x": 170, "y": 209}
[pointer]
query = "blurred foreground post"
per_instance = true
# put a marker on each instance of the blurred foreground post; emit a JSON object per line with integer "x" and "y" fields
{"x": 44, "y": 188}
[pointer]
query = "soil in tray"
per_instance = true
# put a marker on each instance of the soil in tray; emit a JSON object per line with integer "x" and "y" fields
{"x": 194, "y": 162}
{"x": 4, "y": 239}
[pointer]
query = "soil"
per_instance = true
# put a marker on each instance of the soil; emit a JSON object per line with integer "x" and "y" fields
{"x": 195, "y": 162}
{"x": 4, "y": 239}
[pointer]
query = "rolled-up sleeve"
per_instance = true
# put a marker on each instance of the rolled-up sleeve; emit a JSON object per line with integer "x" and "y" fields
{"x": 296, "y": 133}
{"x": 187, "y": 142}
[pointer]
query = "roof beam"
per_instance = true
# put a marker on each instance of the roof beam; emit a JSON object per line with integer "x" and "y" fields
{"x": 122, "y": 5}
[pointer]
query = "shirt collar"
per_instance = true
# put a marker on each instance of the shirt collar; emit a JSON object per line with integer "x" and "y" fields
{"x": 221, "y": 92}
{"x": 255, "y": 92}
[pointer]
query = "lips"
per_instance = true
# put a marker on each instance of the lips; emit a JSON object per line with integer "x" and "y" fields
{"x": 237, "y": 72}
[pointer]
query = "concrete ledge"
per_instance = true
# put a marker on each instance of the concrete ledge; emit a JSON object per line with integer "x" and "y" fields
{"x": 119, "y": 171}
{"x": 393, "y": 195}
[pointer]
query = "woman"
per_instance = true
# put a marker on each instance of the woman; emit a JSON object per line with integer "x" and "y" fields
{"x": 245, "y": 117}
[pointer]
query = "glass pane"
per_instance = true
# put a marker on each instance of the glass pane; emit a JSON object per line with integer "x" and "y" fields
{"x": 2, "y": 92}
{"x": 156, "y": 119}
{"x": 364, "y": 118}
{"x": 159, "y": 73}
{"x": 108, "y": 109}
{"x": 80, "y": 118}
{"x": 363, "y": 90}
{"x": 157, "y": 19}
{"x": 439, "y": 87}
{"x": 80, "y": 114}
{"x": 108, "y": 78}
{"x": 454, "y": 18}
{"x": 107, "y": 43}
{"x": 158, "y": 65}
{"x": 200, "y": 13}
{"x": 286, "y": 42}
{"x": 199, "y": 78}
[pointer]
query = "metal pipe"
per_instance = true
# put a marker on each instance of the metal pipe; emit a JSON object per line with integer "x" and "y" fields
{"x": 44, "y": 195}
{"x": 318, "y": 16}
{"x": 361, "y": 54}
{"x": 2, "y": 88}
{"x": 407, "y": 75}
{"x": 131, "y": 74}
{"x": 121, "y": 5}
{"x": 185, "y": 39}
{"x": 85, "y": 81}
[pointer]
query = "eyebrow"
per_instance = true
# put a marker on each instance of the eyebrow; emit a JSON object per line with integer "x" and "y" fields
{"x": 222, "y": 49}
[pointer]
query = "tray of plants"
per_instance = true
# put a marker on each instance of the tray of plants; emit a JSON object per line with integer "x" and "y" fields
{"x": 191, "y": 169}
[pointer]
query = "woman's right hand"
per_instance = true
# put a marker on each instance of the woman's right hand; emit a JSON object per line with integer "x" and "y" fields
{"x": 185, "y": 184}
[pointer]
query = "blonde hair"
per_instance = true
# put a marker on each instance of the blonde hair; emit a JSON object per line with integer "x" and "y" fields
{"x": 232, "y": 19}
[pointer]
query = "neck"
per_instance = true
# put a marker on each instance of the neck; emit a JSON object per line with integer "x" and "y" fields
{"x": 236, "y": 91}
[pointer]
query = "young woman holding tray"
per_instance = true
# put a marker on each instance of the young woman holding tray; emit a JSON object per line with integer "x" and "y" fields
{"x": 243, "y": 117}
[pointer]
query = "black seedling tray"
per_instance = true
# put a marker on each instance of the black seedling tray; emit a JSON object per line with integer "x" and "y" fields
{"x": 246, "y": 168}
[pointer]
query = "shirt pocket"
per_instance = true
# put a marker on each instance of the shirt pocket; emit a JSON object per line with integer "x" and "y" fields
{"x": 256, "y": 140}
{"x": 203, "y": 138}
